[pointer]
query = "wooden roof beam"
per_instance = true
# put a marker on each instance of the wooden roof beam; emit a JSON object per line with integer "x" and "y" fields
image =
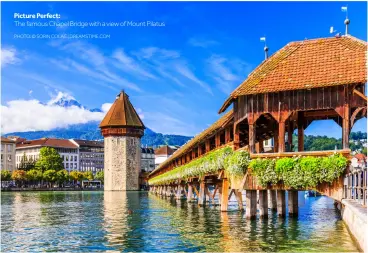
{"x": 360, "y": 94}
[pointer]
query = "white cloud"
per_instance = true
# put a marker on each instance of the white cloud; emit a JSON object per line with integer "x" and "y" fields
{"x": 228, "y": 73}
{"x": 32, "y": 115}
{"x": 9, "y": 56}
{"x": 128, "y": 64}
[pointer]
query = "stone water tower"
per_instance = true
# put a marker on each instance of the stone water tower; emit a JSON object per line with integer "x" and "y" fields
{"x": 122, "y": 130}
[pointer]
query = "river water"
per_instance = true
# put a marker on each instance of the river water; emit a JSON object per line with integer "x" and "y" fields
{"x": 138, "y": 221}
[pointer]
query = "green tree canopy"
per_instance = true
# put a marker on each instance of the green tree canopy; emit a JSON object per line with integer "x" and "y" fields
{"x": 62, "y": 176}
{"x": 88, "y": 175}
{"x": 34, "y": 175}
{"x": 76, "y": 175}
{"x": 50, "y": 176}
{"x": 49, "y": 160}
{"x": 100, "y": 176}
{"x": 5, "y": 175}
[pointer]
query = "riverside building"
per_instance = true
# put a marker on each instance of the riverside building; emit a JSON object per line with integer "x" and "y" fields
{"x": 91, "y": 155}
{"x": 68, "y": 151}
{"x": 7, "y": 154}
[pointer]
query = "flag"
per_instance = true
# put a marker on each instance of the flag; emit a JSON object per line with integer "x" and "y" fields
{"x": 344, "y": 9}
{"x": 331, "y": 29}
{"x": 263, "y": 38}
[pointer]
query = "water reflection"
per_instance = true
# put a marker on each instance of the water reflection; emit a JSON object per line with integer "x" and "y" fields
{"x": 136, "y": 221}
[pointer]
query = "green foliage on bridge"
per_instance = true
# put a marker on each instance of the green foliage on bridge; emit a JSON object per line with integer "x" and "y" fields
{"x": 234, "y": 163}
{"x": 298, "y": 172}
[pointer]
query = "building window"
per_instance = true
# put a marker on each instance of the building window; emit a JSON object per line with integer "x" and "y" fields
{"x": 67, "y": 158}
{"x": 9, "y": 158}
{"x": 67, "y": 165}
{"x": 9, "y": 148}
{"x": 2, "y": 157}
{"x": 75, "y": 158}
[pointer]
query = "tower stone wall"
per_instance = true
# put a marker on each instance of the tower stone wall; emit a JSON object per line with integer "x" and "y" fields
{"x": 122, "y": 163}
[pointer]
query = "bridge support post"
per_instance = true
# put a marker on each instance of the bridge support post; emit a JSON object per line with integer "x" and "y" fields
{"x": 251, "y": 204}
{"x": 190, "y": 193}
{"x": 263, "y": 203}
{"x": 273, "y": 202}
{"x": 293, "y": 203}
{"x": 281, "y": 205}
{"x": 202, "y": 195}
{"x": 178, "y": 192}
{"x": 224, "y": 195}
{"x": 239, "y": 198}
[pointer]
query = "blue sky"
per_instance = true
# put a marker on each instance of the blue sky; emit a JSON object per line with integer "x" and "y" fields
{"x": 177, "y": 75}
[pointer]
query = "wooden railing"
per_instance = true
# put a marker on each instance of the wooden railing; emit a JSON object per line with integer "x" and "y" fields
{"x": 355, "y": 184}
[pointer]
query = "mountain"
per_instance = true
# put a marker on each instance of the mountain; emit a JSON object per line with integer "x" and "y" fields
{"x": 90, "y": 131}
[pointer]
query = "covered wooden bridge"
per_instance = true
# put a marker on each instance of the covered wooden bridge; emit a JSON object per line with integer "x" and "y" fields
{"x": 304, "y": 81}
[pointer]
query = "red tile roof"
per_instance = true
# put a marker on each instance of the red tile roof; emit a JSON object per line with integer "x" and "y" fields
{"x": 164, "y": 150}
{"x": 360, "y": 157}
{"x": 6, "y": 140}
{"x": 47, "y": 142}
{"x": 308, "y": 64}
{"x": 122, "y": 114}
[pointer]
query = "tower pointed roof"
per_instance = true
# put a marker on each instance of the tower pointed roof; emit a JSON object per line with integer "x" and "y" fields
{"x": 122, "y": 114}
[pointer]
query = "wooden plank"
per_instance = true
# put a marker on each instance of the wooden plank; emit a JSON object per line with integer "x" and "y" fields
{"x": 282, "y": 136}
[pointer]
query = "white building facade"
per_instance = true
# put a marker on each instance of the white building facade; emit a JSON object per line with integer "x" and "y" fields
{"x": 8, "y": 154}
{"x": 91, "y": 155}
{"x": 68, "y": 151}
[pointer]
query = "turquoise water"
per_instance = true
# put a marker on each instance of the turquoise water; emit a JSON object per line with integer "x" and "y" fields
{"x": 138, "y": 221}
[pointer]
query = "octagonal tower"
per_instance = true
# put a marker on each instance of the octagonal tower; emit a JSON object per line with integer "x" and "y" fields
{"x": 122, "y": 130}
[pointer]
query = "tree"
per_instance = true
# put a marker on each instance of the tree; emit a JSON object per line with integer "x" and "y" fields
{"x": 88, "y": 175}
{"x": 50, "y": 159}
{"x": 26, "y": 164}
{"x": 50, "y": 176}
{"x": 76, "y": 176}
{"x": 34, "y": 175}
{"x": 19, "y": 176}
{"x": 62, "y": 176}
{"x": 364, "y": 151}
{"x": 100, "y": 176}
{"x": 5, "y": 175}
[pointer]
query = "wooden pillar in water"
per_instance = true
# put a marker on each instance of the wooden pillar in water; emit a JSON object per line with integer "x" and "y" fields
{"x": 178, "y": 192}
{"x": 273, "y": 200}
{"x": 224, "y": 195}
{"x": 190, "y": 193}
{"x": 263, "y": 203}
{"x": 251, "y": 204}
{"x": 202, "y": 194}
{"x": 239, "y": 198}
{"x": 281, "y": 204}
{"x": 293, "y": 203}
{"x": 300, "y": 131}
